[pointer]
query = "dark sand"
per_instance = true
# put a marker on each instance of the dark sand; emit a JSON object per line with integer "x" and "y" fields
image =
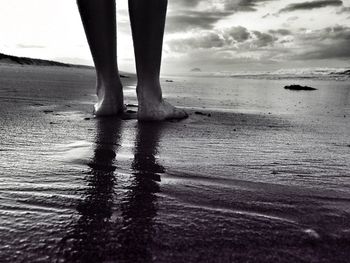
{"x": 252, "y": 184}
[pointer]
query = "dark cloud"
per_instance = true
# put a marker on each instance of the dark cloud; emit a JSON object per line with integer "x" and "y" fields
{"x": 344, "y": 9}
{"x": 237, "y": 43}
{"x": 243, "y": 5}
{"x": 206, "y": 40}
{"x": 186, "y": 3}
{"x": 342, "y": 51}
{"x": 234, "y": 38}
{"x": 236, "y": 5}
{"x": 311, "y": 5}
{"x": 292, "y": 18}
{"x": 263, "y": 39}
{"x": 283, "y": 32}
{"x": 187, "y": 20}
{"x": 328, "y": 43}
{"x": 211, "y": 44}
{"x": 238, "y": 34}
{"x": 180, "y": 19}
{"x": 329, "y": 34}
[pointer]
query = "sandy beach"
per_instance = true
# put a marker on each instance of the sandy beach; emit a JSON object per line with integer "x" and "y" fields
{"x": 256, "y": 173}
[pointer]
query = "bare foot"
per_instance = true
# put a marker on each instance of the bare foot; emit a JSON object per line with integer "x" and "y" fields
{"x": 159, "y": 111}
{"x": 109, "y": 100}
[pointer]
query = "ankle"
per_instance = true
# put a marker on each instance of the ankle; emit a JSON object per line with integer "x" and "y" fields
{"x": 108, "y": 87}
{"x": 110, "y": 79}
{"x": 147, "y": 96}
{"x": 147, "y": 91}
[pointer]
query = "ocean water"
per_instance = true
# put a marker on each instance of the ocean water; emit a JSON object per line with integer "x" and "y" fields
{"x": 307, "y": 131}
{"x": 257, "y": 173}
{"x": 336, "y": 74}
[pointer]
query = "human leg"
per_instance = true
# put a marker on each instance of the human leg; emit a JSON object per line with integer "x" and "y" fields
{"x": 147, "y": 23}
{"x": 99, "y": 20}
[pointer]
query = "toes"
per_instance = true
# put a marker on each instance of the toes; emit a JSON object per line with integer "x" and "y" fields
{"x": 162, "y": 111}
{"x": 180, "y": 114}
{"x": 177, "y": 114}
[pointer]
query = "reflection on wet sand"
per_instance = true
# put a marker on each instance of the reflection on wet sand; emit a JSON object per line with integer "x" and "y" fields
{"x": 127, "y": 235}
{"x": 92, "y": 236}
{"x": 139, "y": 206}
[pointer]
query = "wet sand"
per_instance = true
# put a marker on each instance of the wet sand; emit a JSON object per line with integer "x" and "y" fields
{"x": 260, "y": 178}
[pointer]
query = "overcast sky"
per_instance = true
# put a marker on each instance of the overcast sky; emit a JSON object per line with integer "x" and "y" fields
{"x": 214, "y": 35}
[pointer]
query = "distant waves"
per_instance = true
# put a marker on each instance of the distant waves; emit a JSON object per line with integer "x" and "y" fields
{"x": 338, "y": 74}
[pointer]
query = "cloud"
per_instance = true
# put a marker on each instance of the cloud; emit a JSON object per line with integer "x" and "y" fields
{"x": 199, "y": 14}
{"x": 263, "y": 39}
{"x": 327, "y": 43}
{"x": 238, "y": 46}
{"x": 344, "y": 9}
{"x": 292, "y": 18}
{"x": 232, "y": 5}
{"x": 234, "y": 38}
{"x": 187, "y": 3}
{"x": 239, "y": 33}
{"x": 187, "y": 20}
{"x": 243, "y": 5}
{"x": 311, "y": 5}
{"x": 342, "y": 51}
{"x": 204, "y": 40}
{"x": 283, "y": 32}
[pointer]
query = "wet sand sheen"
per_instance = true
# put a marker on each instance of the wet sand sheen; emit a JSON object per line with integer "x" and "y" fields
{"x": 233, "y": 187}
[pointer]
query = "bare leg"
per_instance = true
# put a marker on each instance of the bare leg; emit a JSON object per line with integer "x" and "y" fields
{"x": 147, "y": 22}
{"x": 99, "y": 20}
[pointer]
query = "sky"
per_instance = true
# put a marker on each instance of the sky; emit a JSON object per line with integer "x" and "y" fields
{"x": 213, "y": 35}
